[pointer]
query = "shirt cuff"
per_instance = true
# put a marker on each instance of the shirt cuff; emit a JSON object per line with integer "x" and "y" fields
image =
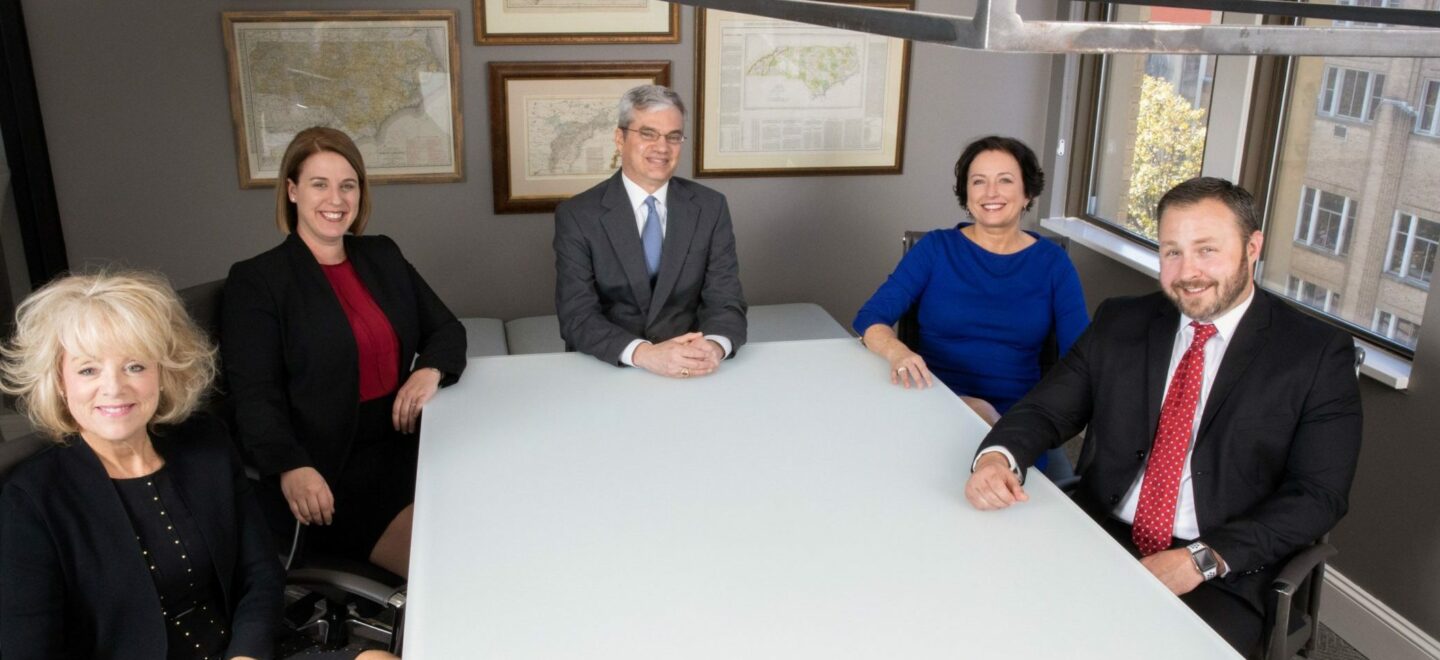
{"x": 627, "y": 356}
{"x": 724, "y": 343}
{"x": 1009, "y": 458}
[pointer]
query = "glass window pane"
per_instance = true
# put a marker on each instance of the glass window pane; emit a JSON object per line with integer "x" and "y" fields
{"x": 1383, "y": 167}
{"x": 1428, "y": 118}
{"x": 1152, "y": 125}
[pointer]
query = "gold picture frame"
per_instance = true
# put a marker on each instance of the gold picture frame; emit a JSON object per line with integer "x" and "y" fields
{"x": 535, "y": 22}
{"x": 552, "y": 127}
{"x": 389, "y": 79}
{"x": 778, "y": 98}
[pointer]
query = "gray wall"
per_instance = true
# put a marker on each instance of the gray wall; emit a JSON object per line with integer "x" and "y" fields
{"x": 1388, "y": 541}
{"x": 136, "y": 105}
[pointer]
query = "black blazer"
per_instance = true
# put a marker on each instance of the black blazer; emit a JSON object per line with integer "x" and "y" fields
{"x": 289, "y": 353}
{"x": 1277, "y": 443}
{"x": 602, "y": 290}
{"x": 73, "y": 583}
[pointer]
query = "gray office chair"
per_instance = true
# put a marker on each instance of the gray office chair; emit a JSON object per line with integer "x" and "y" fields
{"x": 1058, "y": 468}
{"x": 327, "y": 597}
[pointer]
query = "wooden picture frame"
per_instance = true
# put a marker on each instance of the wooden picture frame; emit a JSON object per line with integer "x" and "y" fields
{"x": 552, "y": 127}
{"x": 389, "y": 79}
{"x": 797, "y": 99}
{"x": 535, "y": 22}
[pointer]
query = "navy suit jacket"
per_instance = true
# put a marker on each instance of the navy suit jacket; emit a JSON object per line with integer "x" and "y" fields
{"x": 1277, "y": 443}
{"x": 603, "y": 295}
{"x": 73, "y": 583}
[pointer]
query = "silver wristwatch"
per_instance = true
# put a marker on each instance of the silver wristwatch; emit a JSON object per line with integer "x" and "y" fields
{"x": 1204, "y": 559}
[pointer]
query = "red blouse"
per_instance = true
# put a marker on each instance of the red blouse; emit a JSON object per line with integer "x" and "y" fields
{"x": 375, "y": 341}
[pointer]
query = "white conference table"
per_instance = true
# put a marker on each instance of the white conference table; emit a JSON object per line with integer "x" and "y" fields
{"x": 794, "y": 504}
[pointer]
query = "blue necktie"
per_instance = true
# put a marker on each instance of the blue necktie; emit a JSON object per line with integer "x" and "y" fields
{"x": 650, "y": 237}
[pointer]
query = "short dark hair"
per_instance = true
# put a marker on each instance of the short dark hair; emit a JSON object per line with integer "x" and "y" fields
{"x": 1196, "y": 190}
{"x": 1031, "y": 176}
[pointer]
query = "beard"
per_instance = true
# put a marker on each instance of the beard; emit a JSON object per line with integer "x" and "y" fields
{"x": 1228, "y": 292}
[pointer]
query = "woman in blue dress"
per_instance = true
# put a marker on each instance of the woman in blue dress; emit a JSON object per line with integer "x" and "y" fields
{"x": 987, "y": 294}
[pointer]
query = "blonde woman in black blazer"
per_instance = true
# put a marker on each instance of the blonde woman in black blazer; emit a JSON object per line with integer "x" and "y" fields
{"x": 136, "y": 535}
{"x": 293, "y": 358}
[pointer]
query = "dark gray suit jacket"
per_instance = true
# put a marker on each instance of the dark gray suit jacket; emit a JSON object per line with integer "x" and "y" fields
{"x": 1278, "y": 439}
{"x": 602, "y": 291}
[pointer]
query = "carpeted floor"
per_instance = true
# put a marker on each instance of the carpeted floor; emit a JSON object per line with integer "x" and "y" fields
{"x": 1330, "y": 646}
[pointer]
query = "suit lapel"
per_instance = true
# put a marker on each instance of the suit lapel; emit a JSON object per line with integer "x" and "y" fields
{"x": 682, "y": 214}
{"x": 316, "y": 289}
{"x": 618, "y": 220}
{"x": 1250, "y": 337}
{"x": 1160, "y": 346}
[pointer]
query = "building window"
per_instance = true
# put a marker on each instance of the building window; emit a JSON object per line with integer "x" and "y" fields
{"x": 1429, "y": 120}
{"x": 1325, "y": 220}
{"x": 1364, "y": 3}
{"x": 1350, "y": 93}
{"x": 1414, "y": 242}
{"x": 1311, "y": 294}
{"x": 1397, "y": 328}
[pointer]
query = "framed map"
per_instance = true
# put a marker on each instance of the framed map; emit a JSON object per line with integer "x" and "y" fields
{"x": 778, "y": 98}
{"x": 552, "y": 127}
{"x": 389, "y": 79}
{"x": 505, "y": 22}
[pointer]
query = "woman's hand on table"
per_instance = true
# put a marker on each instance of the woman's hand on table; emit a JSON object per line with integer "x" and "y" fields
{"x": 412, "y": 396}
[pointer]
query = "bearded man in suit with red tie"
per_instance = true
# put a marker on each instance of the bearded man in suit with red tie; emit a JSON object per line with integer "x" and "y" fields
{"x": 1224, "y": 425}
{"x": 645, "y": 268}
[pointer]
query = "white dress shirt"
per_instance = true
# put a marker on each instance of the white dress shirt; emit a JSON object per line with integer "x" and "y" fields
{"x": 642, "y": 213}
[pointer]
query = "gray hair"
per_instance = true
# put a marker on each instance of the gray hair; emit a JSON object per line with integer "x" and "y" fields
{"x": 648, "y": 97}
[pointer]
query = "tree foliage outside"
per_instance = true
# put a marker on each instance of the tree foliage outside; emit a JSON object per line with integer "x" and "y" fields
{"x": 1169, "y": 148}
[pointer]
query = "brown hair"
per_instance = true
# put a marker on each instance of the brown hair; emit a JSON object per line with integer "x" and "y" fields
{"x": 1196, "y": 190}
{"x": 307, "y": 143}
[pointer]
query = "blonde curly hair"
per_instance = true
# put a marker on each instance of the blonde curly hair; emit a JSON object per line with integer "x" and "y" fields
{"x": 133, "y": 313}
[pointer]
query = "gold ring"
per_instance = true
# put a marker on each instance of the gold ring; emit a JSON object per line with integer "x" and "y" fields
{"x": 684, "y": 373}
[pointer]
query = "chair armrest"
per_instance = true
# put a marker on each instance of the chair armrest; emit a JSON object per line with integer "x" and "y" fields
{"x": 1299, "y": 567}
{"x": 371, "y": 590}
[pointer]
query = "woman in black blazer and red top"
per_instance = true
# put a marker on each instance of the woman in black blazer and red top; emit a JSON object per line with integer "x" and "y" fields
{"x": 332, "y": 344}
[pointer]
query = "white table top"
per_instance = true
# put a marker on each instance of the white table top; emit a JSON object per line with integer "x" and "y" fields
{"x": 792, "y": 505}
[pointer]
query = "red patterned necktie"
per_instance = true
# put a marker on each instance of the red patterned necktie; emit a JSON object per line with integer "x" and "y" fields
{"x": 1155, "y": 514}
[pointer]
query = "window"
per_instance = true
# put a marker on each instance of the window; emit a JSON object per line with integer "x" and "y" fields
{"x": 1350, "y": 93}
{"x": 1325, "y": 220}
{"x": 1401, "y": 330}
{"x": 1153, "y": 124}
{"x": 1413, "y": 244}
{"x": 1429, "y": 120}
{"x": 1349, "y": 205}
{"x": 1364, "y": 3}
{"x": 1312, "y": 295}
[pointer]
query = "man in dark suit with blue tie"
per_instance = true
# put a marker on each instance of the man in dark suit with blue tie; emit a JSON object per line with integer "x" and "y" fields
{"x": 1223, "y": 425}
{"x": 645, "y": 267}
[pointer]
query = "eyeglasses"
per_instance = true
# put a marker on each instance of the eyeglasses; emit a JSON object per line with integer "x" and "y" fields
{"x": 651, "y": 135}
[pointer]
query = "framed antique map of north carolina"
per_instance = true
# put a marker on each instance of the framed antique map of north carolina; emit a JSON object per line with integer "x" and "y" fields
{"x": 389, "y": 79}
{"x": 778, "y": 98}
{"x": 507, "y": 22}
{"x": 552, "y": 127}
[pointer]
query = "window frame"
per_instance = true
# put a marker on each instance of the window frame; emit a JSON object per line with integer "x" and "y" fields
{"x": 1369, "y": 100}
{"x": 1429, "y": 95}
{"x": 1311, "y": 223}
{"x": 1402, "y": 273}
{"x": 1258, "y": 163}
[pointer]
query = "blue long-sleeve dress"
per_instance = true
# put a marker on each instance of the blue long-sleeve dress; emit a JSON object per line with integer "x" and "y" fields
{"x": 983, "y": 316}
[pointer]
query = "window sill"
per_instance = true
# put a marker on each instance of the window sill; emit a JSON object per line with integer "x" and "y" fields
{"x": 1385, "y": 367}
